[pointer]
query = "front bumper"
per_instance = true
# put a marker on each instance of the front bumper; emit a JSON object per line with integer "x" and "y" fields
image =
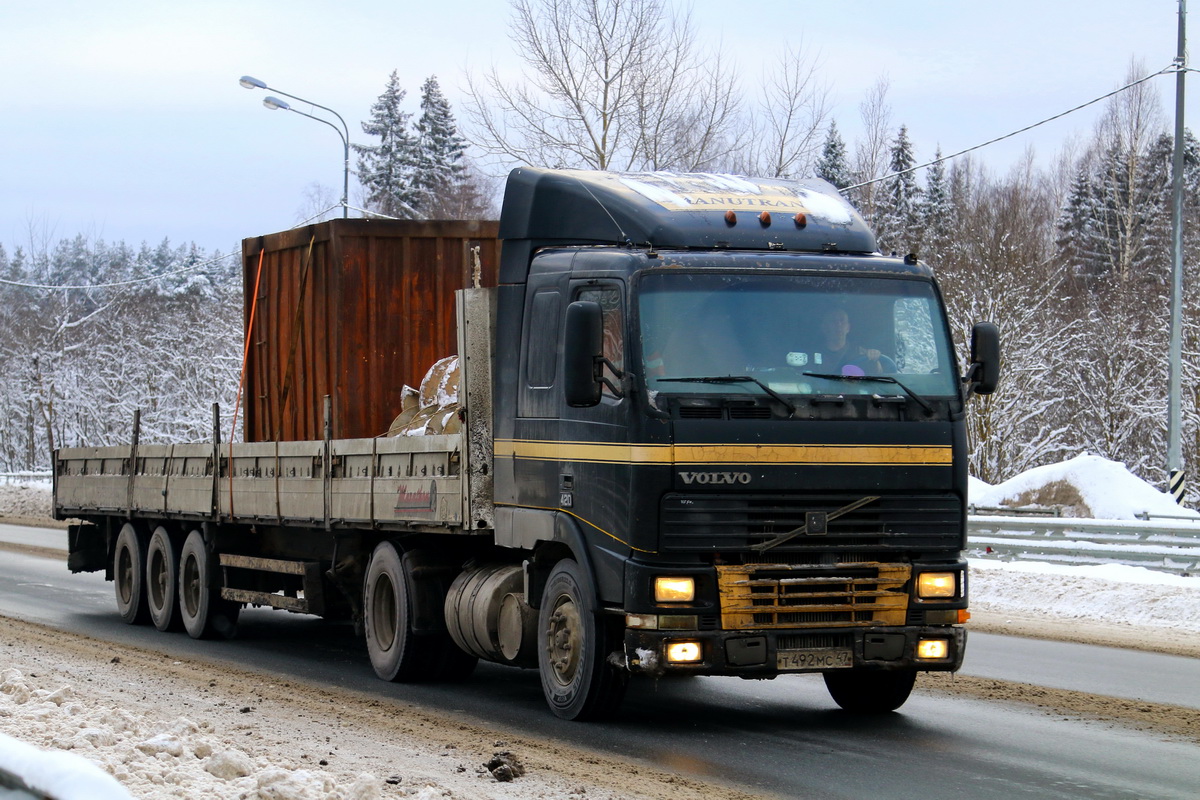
{"x": 757, "y": 654}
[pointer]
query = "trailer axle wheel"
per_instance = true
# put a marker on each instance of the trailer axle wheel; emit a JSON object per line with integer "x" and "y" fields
{"x": 129, "y": 575}
{"x": 162, "y": 581}
{"x": 205, "y": 614}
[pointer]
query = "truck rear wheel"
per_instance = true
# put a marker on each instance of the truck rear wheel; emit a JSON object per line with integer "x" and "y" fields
{"x": 205, "y": 615}
{"x": 129, "y": 575}
{"x": 876, "y": 692}
{"x": 578, "y": 679}
{"x": 162, "y": 581}
{"x": 397, "y": 652}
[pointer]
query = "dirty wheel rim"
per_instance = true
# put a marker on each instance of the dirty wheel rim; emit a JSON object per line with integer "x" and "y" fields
{"x": 563, "y": 639}
{"x": 191, "y": 586}
{"x": 158, "y": 579}
{"x": 383, "y": 612}
{"x": 125, "y": 575}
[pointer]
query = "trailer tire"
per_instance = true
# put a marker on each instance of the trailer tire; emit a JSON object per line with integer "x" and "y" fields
{"x": 162, "y": 580}
{"x": 874, "y": 692}
{"x": 579, "y": 679}
{"x": 129, "y": 575}
{"x": 205, "y": 615}
{"x": 397, "y": 652}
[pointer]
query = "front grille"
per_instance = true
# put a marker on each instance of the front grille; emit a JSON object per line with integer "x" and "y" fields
{"x": 782, "y": 596}
{"x": 813, "y": 641}
{"x": 731, "y": 523}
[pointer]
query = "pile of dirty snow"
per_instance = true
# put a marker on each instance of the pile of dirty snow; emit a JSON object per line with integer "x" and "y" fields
{"x": 176, "y": 758}
{"x": 1084, "y": 486}
{"x": 32, "y": 499}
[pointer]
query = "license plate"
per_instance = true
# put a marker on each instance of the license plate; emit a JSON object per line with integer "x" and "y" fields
{"x": 818, "y": 658}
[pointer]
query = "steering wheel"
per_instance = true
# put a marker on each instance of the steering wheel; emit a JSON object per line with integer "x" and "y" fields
{"x": 886, "y": 364}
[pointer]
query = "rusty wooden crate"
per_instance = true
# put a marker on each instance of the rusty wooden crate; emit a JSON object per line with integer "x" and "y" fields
{"x": 354, "y": 309}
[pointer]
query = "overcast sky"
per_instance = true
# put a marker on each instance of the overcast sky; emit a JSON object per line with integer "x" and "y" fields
{"x": 123, "y": 120}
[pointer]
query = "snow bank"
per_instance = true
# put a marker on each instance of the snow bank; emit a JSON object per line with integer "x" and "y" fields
{"x": 1111, "y": 594}
{"x": 1087, "y": 486}
{"x": 63, "y": 776}
{"x": 26, "y": 498}
{"x": 152, "y": 760}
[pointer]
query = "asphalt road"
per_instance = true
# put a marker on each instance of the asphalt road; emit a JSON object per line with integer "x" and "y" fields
{"x": 781, "y": 737}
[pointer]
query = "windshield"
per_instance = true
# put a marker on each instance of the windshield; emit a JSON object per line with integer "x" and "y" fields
{"x": 796, "y": 334}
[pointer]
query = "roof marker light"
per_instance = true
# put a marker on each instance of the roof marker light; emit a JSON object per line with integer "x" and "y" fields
{"x": 730, "y": 217}
{"x": 765, "y": 218}
{"x": 801, "y": 219}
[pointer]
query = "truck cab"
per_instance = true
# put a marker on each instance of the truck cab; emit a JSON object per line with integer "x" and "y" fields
{"x": 740, "y": 424}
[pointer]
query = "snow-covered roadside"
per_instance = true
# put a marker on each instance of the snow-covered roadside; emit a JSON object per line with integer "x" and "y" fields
{"x": 1114, "y": 605}
{"x": 170, "y": 729}
{"x": 26, "y": 499}
{"x": 164, "y": 731}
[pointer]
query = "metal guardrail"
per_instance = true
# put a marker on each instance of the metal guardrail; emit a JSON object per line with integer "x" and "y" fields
{"x": 1165, "y": 547}
{"x": 1015, "y": 511}
{"x": 14, "y": 477}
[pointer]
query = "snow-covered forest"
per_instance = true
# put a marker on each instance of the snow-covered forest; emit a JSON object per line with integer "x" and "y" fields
{"x": 1073, "y": 262}
{"x": 159, "y": 329}
{"x": 1070, "y": 257}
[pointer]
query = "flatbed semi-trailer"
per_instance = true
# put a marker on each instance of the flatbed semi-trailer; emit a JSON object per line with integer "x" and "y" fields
{"x": 701, "y": 427}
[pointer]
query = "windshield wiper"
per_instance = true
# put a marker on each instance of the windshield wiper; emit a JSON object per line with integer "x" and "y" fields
{"x": 877, "y": 378}
{"x": 737, "y": 379}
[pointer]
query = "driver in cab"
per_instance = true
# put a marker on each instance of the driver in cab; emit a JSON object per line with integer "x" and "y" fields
{"x": 838, "y": 353}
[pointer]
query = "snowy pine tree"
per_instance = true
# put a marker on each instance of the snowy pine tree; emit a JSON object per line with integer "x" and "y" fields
{"x": 898, "y": 224}
{"x": 386, "y": 170}
{"x": 1154, "y": 197}
{"x": 833, "y": 166}
{"x": 935, "y": 207}
{"x": 1078, "y": 241}
{"x": 440, "y": 171}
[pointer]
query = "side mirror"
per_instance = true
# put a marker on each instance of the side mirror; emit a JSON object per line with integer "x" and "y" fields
{"x": 583, "y": 352}
{"x": 985, "y": 358}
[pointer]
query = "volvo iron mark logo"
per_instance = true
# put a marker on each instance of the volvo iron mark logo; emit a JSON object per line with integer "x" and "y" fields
{"x": 715, "y": 478}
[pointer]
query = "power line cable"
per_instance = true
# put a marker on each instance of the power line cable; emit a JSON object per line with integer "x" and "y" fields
{"x": 1174, "y": 67}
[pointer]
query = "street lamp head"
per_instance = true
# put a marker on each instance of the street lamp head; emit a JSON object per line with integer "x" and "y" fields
{"x": 251, "y": 83}
{"x": 274, "y": 103}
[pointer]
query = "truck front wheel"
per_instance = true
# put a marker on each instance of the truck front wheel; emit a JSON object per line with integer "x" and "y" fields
{"x": 205, "y": 615}
{"x": 578, "y": 679}
{"x": 129, "y": 575}
{"x": 875, "y": 692}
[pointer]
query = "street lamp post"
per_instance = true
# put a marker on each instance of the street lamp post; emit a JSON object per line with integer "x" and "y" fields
{"x": 274, "y": 103}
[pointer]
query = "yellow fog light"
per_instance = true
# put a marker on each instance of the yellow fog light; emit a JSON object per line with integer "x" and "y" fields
{"x": 937, "y": 584}
{"x": 684, "y": 652}
{"x": 674, "y": 590}
{"x": 933, "y": 649}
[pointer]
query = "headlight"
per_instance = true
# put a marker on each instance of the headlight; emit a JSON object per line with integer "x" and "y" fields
{"x": 937, "y": 584}
{"x": 684, "y": 652}
{"x": 674, "y": 590}
{"x": 933, "y": 649}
